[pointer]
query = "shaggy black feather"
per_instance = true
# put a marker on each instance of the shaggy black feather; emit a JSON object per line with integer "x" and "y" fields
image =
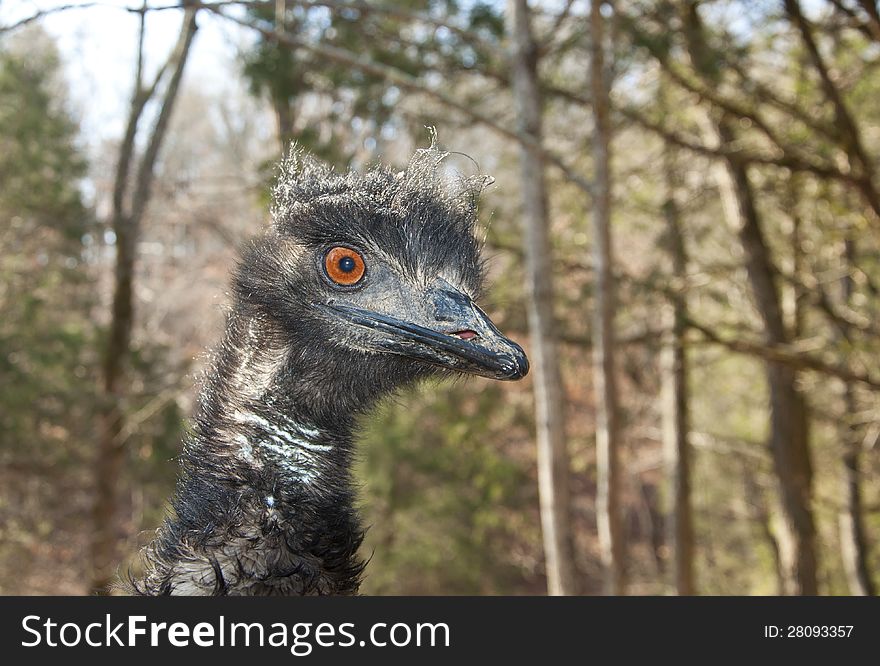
{"x": 254, "y": 514}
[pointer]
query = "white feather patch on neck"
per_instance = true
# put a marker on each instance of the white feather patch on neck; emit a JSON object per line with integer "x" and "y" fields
{"x": 257, "y": 365}
{"x": 292, "y": 443}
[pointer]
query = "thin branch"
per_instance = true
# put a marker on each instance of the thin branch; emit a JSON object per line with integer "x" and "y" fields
{"x": 844, "y": 318}
{"x": 139, "y": 99}
{"x": 785, "y": 355}
{"x": 394, "y": 11}
{"x": 139, "y": 69}
{"x": 870, "y": 29}
{"x": 389, "y": 9}
{"x": 148, "y": 411}
{"x": 766, "y": 94}
{"x": 557, "y": 24}
{"x": 722, "y": 151}
{"x": 786, "y": 160}
{"x": 47, "y": 12}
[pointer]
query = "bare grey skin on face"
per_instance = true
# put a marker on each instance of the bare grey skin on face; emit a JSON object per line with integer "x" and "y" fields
{"x": 364, "y": 284}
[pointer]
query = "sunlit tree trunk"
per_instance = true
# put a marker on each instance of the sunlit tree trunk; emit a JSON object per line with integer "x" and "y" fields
{"x": 853, "y": 536}
{"x": 797, "y": 294}
{"x": 763, "y": 518}
{"x": 675, "y": 404}
{"x": 285, "y": 120}
{"x": 553, "y": 466}
{"x": 608, "y": 497}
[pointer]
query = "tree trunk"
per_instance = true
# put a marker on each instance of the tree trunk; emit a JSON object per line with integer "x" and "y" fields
{"x": 789, "y": 436}
{"x": 676, "y": 413}
{"x": 789, "y": 432}
{"x": 553, "y": 466}
{"x": 608, "y": 497}
{"x": 798, "y": 292}
{"x": 853, "y": 536}
{"x": 284, "y": 117}
{"x": 760, "y": 514}
{"x": 281, "y": 103}
{"x": 126, "y": 225}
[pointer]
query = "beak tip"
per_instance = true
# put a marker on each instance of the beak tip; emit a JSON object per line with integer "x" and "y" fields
{"x": 518, "y": 366}
{"x": 524, "y": 367}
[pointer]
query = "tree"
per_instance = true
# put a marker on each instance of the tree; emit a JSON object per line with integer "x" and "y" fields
{"x": 275, "y": 71}
{"x": 675, "y": 398}
{"x": 853, "y": 533}
{"x": 789, "y": 431}
{"x": 47, "y": 336}
{"x": 131, "y": 195}
{"x": 553, "y": 466}
{"x": 609, "y": 506}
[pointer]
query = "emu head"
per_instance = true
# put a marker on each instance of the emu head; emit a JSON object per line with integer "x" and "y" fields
{"x": 372, "y": 278}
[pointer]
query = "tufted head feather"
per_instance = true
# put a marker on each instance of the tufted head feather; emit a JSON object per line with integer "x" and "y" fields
{"x": 420, "y": 218}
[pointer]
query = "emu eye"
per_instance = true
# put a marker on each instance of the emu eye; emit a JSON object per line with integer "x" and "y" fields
{"x": 344, "y": 266}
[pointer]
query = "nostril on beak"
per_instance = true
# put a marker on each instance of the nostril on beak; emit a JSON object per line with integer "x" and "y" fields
{"x": 450, "y": 306}
{"x": 466, "y": 334}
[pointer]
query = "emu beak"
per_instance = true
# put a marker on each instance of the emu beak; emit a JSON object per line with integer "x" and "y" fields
{"x": 449, "y": 331}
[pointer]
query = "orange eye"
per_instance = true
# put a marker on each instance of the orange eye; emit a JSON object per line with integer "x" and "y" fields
{"x": 344, "y": 266}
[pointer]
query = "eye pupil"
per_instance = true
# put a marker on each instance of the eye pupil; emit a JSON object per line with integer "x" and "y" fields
{"x": 346, "y": 264}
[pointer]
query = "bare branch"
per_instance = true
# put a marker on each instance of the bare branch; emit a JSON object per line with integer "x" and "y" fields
{"x": 785, "y": 355}
{"x": 365, "y": 8}
{"x": 869, "y": 28}
{"x": 139, "y": 68}
{"x": 723, "y": 151}
{"x": 139, "y": 100}
{"x": 47, "y": 12}
{"x": 765, "y": 94}
{"x": 394, "y": 11}
{"x": 557, "y": 24}
{"x": 844, "y": 319}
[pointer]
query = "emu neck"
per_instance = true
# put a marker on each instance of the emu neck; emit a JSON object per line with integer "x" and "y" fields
{"x": 259, "y": 413}
{"x": 265, "y": 500}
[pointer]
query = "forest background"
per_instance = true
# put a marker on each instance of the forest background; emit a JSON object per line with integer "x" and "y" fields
{"x": 683, "y": 232}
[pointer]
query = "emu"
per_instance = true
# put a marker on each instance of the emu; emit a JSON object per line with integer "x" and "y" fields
{"x": 362, "y": 285}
